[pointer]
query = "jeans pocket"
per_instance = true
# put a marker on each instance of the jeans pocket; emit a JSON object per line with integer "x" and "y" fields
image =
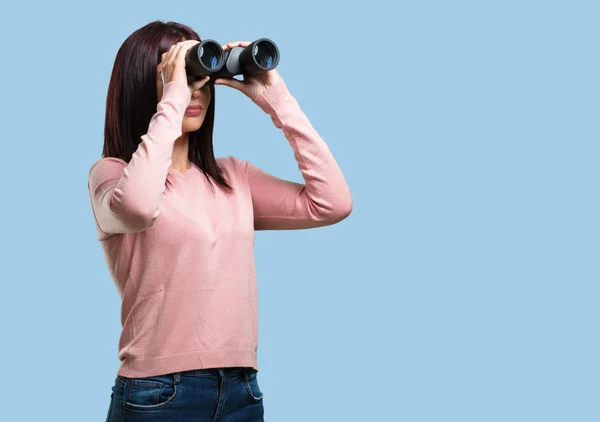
{"x": 149, "y": 393}
{"x": 252, "y": 388}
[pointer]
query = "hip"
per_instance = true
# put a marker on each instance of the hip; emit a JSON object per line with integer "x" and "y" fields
{"x": 215, "y": 394}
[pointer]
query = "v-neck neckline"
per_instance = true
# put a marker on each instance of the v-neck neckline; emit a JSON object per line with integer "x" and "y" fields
{"x": 177, "y": 173}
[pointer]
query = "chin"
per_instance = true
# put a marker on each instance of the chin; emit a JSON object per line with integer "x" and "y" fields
{"x": 192, "y": 124}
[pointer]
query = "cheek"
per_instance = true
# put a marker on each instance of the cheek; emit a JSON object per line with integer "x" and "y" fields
{"x": 206, "y": 96}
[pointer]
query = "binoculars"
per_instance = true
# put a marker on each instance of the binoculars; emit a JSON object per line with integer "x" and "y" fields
{"x": 208, "y": 58}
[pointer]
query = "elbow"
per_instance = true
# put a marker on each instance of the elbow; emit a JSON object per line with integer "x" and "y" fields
{"x": 344, "y": 208}
{"x": 339, "y": 210}
{"x": 134, "y": 216}
{"x": 344, "y": 203}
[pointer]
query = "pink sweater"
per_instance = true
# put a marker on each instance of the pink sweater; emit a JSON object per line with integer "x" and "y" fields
{"x": 182, "y": 256}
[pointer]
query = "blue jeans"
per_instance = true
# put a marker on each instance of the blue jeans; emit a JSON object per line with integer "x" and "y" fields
{"x": 203, "y": 395}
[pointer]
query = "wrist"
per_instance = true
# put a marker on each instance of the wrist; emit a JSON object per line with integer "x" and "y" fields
{"x": 272, "y": 95}
{"x": 178, "y": 91}
{"x": 267, "y": 80}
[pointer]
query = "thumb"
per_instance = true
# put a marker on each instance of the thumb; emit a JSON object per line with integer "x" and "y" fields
{"x": 230, "y": 82}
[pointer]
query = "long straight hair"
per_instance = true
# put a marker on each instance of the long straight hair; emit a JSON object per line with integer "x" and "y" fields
{"x": 132, "y": 98}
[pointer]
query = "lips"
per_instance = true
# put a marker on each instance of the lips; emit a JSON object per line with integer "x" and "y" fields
{"x": 193, "y": 110}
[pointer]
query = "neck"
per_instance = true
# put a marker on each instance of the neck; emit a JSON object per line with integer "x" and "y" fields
{"x": 179, "y": 157}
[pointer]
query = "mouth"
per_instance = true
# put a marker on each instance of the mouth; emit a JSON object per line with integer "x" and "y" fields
{"x": 193, "y": 110}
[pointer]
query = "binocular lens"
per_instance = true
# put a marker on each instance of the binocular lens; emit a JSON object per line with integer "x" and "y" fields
{"x": 209, "y": 56}
{"x": 264, "y": 54}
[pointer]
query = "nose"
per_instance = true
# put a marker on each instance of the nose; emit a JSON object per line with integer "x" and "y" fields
{"x": 196, "y": 87}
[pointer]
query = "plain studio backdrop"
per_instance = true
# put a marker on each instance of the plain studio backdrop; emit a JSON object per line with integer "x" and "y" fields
{"x": 464, "y": 285}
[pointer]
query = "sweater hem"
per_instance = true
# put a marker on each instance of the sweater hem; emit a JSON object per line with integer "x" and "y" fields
{"x": 148, "y": 367}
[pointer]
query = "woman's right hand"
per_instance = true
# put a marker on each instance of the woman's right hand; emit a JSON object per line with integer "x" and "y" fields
{"x": 172, "y": 65}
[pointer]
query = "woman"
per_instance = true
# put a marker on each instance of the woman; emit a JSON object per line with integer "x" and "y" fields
{"x": 177, "y": 229}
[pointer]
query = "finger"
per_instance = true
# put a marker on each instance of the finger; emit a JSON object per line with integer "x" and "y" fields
{"x": 162, "y": 66}
{"x": 163, "y": 58}
{"x": 161, "y": 73}
{"x": 230, "y": 82}
{"x": 185, "y": 46}
{"x": 168, "y": 66}
{"x": 232, "y": 44}
{"x": 188, "y": 43}
{"x": 202, "y": 82}
{"x": 158, "y": 73}
{"x": 166, "y": 54}
{"x": 173, "y": 54}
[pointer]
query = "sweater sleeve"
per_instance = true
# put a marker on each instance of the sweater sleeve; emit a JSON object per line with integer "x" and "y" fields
{"x": 126, "y": 197}
{"x": 278, "y": 204}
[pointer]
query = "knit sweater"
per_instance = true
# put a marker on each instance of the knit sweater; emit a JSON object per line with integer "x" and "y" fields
{"x": 181, "y": 254}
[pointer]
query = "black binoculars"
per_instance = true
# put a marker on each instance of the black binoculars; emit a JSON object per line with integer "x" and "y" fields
{"x": 208, "y": 58}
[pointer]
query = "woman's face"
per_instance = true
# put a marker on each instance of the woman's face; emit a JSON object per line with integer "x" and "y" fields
{"x": 199, "y": 102}
{"x": 196, "y": 111}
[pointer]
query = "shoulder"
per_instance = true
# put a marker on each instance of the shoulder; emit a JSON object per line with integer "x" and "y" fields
{"x": 232, "y": 163}
{"x": 235, "y": 170}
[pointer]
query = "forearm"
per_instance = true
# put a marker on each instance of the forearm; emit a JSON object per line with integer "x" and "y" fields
{"x": 325, "y": 198}
{"x": 127, "y": 197}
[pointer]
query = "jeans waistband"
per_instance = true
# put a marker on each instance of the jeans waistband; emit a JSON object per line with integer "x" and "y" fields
{"x": 216, "y": 371}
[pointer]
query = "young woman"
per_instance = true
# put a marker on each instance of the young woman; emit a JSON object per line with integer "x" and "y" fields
{"x": 177, "y": 229}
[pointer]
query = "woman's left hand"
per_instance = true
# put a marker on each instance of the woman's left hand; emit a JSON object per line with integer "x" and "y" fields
{"x": 252, "y": 85}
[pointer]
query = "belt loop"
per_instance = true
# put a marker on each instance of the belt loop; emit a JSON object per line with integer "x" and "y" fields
{"x": 177, "y": 377}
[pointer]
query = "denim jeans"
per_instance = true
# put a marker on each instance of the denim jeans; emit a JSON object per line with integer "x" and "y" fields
{"x": 203, "y": 395}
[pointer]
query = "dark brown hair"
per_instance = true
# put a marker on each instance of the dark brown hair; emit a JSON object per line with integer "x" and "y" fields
{"x": 132, "y": 98}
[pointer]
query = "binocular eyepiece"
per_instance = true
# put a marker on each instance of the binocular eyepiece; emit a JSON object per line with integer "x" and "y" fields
{"x": 208, "y": 58}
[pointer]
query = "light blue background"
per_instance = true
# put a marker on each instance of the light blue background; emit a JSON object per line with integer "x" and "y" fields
{"x": 463, "y": 287}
